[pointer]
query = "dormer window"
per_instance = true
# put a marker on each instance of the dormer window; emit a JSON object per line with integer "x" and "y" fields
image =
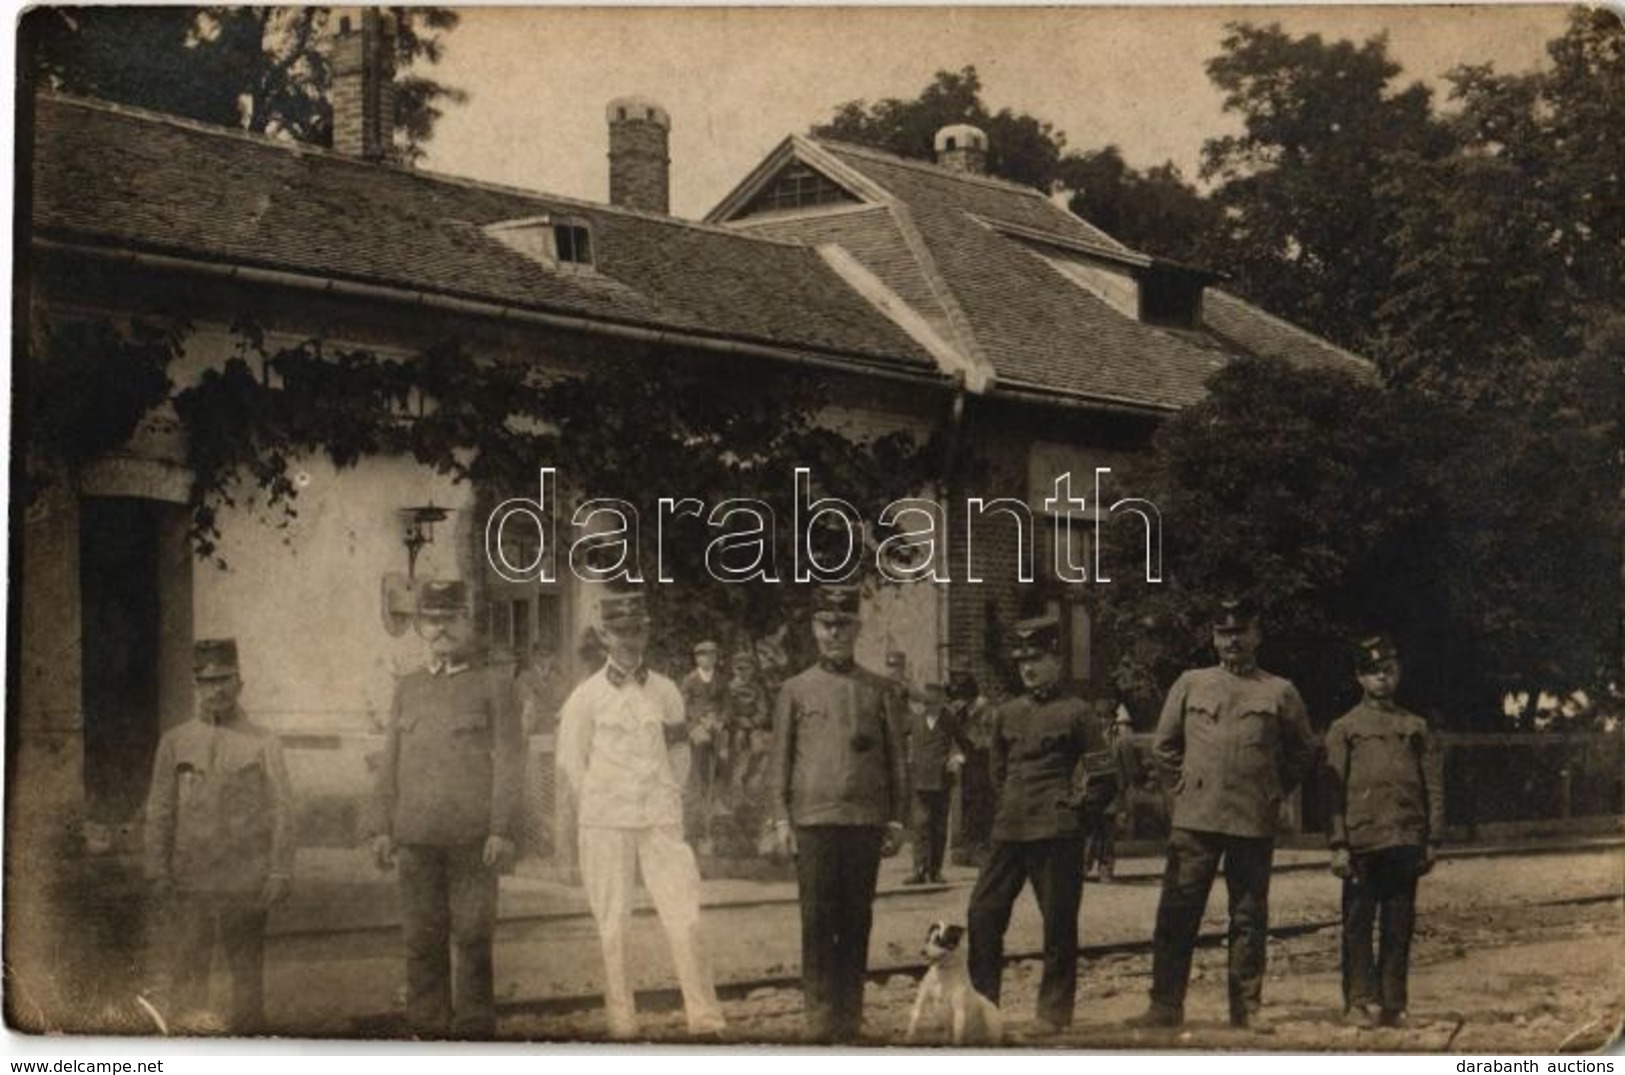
{"x": 560, "y": 242}
{"x": 572, "y": 242}
{"x": 1170, "y": 298}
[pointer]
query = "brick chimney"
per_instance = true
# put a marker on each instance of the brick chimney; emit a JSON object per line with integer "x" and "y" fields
{"x": 962, "y": 148}
{"x": 639, "y": 154}
{"x": 363, "y": 89}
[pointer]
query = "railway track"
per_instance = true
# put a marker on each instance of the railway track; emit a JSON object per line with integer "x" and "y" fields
{"x": 670, "y": 998}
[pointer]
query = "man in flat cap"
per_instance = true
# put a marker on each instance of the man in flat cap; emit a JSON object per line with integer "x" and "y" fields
{"x": 1233, "y": 741}
{"x": 1051, "y": 772}
{"x": 840, "y": 797}
{"x": 219, "y": 846}
{"x": 936, "y": 754}
{"x": 623, "y": 758}
{"x": 446, "y": 809}
{"x": 704, "y": 693}
{"x": 1387, "y": 815}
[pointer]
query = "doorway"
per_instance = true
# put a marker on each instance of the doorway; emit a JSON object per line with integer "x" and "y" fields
{"x": 121, "y": 615}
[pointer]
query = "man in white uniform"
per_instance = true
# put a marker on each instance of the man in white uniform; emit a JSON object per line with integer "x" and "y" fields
{"x": 623, "y": 759}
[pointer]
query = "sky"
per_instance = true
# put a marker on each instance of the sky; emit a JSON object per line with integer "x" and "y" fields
{"x": 736, "y": 81}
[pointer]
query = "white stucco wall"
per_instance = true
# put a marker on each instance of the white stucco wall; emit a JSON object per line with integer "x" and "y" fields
{"x": 303, "y": 599}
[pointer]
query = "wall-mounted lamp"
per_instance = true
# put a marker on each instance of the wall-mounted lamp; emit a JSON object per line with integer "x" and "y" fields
{"x": 417, "y": 526}
{"x": 399, "y": 594}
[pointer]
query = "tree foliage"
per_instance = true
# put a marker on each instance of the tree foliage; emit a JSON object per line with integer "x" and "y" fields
{"x": 1312, "y": 490}
{"x": 1303, "y": 189}
{"x": 262, "y": 69}
{"x": 1156, "y": 211}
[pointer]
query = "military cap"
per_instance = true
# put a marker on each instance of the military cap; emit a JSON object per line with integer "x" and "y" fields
{"x": 706, "y": 647}
{"x": 1234, "y": 613}
{"x": 214, "y": 658}
{"x": 442, "y": 597}
{"x": 960, "y": 665}
{"x": 1035, "y": 637}
{"x": 835, "y": 603}
{"x": 1372, "y": 650}
{"x": 623, "y": 608}
{"x": 744, "y": 656}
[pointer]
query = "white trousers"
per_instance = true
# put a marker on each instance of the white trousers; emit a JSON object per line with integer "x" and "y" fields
{"x": 608, "y": 860}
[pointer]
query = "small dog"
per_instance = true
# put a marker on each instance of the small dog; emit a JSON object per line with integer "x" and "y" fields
{"x": 972, "y": 1019}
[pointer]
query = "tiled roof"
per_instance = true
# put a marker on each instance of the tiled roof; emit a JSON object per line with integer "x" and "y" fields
{"x": 119, "y": 177}
{"x": 1039, "y": 330}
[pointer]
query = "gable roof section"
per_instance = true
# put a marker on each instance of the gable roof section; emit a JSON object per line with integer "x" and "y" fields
{"x": 120, "y": 178}
{"x": 969, "y": 243}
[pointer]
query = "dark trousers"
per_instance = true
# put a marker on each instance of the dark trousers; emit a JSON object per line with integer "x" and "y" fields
{"x": 1055, "y": 870}
{"x": 837, "y": 866}
{"x": 1382, "y": 888}
{"x": 1193, "y": 861}
{"x": 197, "y": 920}
{"x": 930, "y": 831}
{"x": 448, "y": 908}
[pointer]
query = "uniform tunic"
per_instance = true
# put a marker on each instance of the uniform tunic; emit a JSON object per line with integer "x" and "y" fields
{"x": 219, "y": 811}
{"x": 452, "y": 760}
{"x": 1388, "y": 786}
{"x": 836, "y": 758}
{"x": 612, "y": 749}
{"x": 1235, "y": 746}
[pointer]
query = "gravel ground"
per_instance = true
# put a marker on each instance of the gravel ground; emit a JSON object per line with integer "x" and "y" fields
{"x": 1531, "y": 979}
{"x": 320, "y": 984}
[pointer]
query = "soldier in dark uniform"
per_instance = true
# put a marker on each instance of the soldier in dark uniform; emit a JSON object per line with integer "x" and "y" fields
{"x": 1047, "y": 748}
{"x": 219, "y": 839}
{"x": 704, "y": 694}
{"x": 1387, "y": 814}
{"x": 1234, "y": 741}
{"x": 840, "y": 792}
{"x": 1101, "y": 848}
{"x": 446, "y": 808}
{"x": 936, "y": 753}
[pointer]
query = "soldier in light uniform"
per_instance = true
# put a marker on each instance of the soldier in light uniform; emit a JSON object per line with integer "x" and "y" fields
{"x": 1234, "y": 741}
{"x": 1051, "y": 771}
{"x": 840, "y": 797}
{"x": 219, "y": 840}
{"x": 624, "y": 758}
{"x": 446, "y": 808}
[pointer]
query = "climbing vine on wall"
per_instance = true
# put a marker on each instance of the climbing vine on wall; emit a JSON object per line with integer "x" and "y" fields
{"x": 634, "y": 427}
